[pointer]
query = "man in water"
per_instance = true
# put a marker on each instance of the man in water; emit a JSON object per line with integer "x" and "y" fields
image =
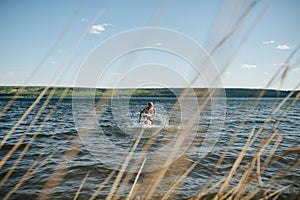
{"x": 149, "y": 111}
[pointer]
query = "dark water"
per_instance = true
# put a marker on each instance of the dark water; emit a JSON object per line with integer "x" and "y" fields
{"x": 60, "y": 151}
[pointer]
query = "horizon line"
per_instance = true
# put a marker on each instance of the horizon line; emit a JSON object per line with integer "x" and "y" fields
{"x": 111, "y": 88}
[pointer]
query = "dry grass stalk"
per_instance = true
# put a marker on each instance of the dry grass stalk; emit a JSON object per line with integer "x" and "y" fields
{"x": 246, "y": 176}
{"x": 29, "y": 173}
{"x": 27, "y": 146}
{"x": 136, "y": 179}
{"x": 81, "y": 185}
{"x": 124, "y": 166}
{"x": 26, "y": 113}
{"x": 237, "y": 163}
{"x": 108, "y": 178}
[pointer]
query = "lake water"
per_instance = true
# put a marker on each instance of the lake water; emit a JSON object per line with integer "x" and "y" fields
{"x": 67, "y": 142}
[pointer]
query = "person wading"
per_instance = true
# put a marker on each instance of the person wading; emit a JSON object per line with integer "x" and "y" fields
{"x": 149, "y": 111}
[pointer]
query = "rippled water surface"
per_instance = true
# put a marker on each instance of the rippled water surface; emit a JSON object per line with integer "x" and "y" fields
{"x": 49, "y": 150}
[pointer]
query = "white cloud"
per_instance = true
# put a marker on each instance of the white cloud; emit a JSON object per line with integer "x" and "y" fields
{"x": 247, "y": 66}
{"x": 266, "y": 73}
{"x": 283, "y": 47}
{"x": 84, "y": 20}
{"x": 296, "y": 69}
{"x": 281, "y": 64}
{"x": 99, "y": 28}
{"x": 268, "y": 42}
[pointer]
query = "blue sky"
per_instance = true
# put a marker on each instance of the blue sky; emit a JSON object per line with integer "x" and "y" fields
{"x": 46, "y": 42}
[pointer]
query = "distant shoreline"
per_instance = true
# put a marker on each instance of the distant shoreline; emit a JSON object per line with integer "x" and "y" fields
{"x": 67, "y": 92}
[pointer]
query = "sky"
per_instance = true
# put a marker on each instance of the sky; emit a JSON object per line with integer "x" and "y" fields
{"x": 51, "y": 42}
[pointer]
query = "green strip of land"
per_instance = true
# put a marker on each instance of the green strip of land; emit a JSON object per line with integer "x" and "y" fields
{"x": 34, "y": 91}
